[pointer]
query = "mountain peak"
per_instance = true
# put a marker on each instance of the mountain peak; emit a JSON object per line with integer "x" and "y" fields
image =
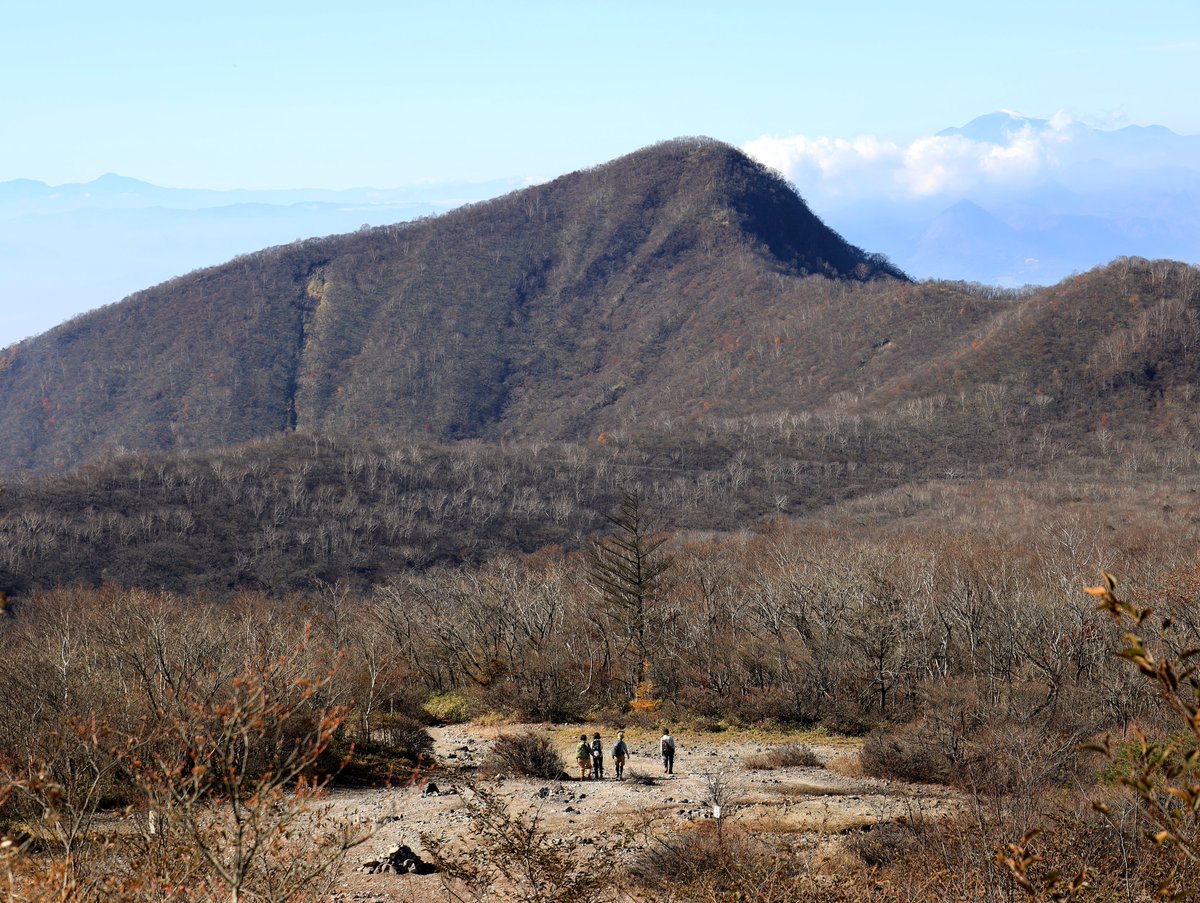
{"x": 996, "y": 128}
{"x": 112, "y": 181}
{"x": 713, "y": 179}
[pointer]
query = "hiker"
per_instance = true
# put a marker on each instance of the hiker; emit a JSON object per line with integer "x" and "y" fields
{"x": 583, "y": 755}
{"x": 667, "y": 746}
{"x": 597, "y": 757}
{"x": 620, "y": 753}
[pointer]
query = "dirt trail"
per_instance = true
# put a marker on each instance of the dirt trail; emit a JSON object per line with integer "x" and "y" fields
{"x": 817, "y": 803}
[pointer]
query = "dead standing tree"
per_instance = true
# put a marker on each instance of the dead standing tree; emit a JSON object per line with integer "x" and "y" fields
{"x": 627, "y": 568}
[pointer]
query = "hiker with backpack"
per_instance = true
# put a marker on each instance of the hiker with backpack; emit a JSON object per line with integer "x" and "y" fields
{"x": 667, "y": 747}
{"x": 597, "y": 757}
{"x": 583, "y": 756}
{"x": 620, "y": 752}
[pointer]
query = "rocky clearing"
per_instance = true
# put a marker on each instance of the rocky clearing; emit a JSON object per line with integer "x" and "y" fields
{"x": 811, "y": 808}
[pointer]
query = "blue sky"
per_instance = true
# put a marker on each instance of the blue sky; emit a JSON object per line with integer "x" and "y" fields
{"x": 297, "y": 94}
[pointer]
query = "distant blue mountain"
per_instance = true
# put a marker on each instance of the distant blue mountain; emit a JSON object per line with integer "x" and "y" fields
{"x": 995, "y": 128}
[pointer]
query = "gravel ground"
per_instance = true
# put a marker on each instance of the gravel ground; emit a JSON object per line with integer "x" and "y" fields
{"x": 810, "y": 805}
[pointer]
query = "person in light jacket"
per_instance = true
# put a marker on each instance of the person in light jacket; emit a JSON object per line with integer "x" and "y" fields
{"x": 667, "y": 747}
{"x": 583, "y": 756}
{"x": 620, "y": 752}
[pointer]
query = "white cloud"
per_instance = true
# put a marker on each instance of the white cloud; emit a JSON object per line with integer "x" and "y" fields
{"x": 868, "y": 166}
{"x": 1061, "y": 122}
{"x": 863, "y": 165}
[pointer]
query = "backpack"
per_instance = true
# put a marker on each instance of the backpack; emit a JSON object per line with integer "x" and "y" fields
{"x": 620, "y": 750}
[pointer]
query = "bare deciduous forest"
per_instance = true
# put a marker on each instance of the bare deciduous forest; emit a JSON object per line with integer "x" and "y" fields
{"x": 964, "y": 653}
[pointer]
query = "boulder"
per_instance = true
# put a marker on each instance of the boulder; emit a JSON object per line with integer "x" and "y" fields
{"x": 399, "y": 860}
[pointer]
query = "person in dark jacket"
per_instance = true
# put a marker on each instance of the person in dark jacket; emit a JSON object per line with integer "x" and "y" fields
{"x": 597, "y": 757}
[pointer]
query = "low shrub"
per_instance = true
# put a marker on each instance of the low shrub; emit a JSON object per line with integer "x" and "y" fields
{"x": 448, "y": 707}
{"x": 404, "y": 737}
{"x": 702, "y": 702}
{"x": 885, "y": 843}
{"x": 750, "y": 707}
{"x": 398, "y": 746}
{"x": 510, "y": 854}
{"x": 640, "y": 777}
{"x": 787, "y": 755}
{"x": 907, "y": 753}
{"x": 705, "y": 861}
{"x": 992, "y": 755}
{"x": 849, "y": 721}
{"x": 757, "y": 706}
{"x": 529, "y": 754}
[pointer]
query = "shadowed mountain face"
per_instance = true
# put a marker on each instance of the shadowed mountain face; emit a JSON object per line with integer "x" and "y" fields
{"x": 659, "y": 285}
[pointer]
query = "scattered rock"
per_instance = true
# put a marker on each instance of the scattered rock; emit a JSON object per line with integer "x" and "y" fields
{"x": 400, "y": 860}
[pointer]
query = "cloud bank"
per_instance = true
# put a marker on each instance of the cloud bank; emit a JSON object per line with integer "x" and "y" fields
{"x": 1004, "y": 199}
{"x": 1001, "y": 151}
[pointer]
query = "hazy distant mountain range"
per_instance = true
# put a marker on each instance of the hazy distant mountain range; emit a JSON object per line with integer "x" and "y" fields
{"x": 1006, "y": 199}
{"x": 69, "y": 248}
{"x": 1003, "y": 200}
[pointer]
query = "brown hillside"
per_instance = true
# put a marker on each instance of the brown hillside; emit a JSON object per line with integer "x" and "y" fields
{"x": 1113, "y": 347}
{"x": 668, "y": 283}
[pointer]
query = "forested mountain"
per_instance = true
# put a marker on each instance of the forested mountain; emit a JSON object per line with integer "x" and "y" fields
{"x": 1087, "y": 384}
{"x": 560, "y": 311}
{"x": 494, "y": 378}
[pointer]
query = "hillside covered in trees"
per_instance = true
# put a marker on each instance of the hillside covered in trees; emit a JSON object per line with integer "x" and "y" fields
{"x": 492, "y": 380}
{"x": 1093, "y": 380}
{"x": 558, "y": 311}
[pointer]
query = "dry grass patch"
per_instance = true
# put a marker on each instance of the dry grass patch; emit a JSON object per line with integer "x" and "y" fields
{"x": 847, "y": 764}
{"x": 794, "y": 790}
{"x": 787, "y": 755}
